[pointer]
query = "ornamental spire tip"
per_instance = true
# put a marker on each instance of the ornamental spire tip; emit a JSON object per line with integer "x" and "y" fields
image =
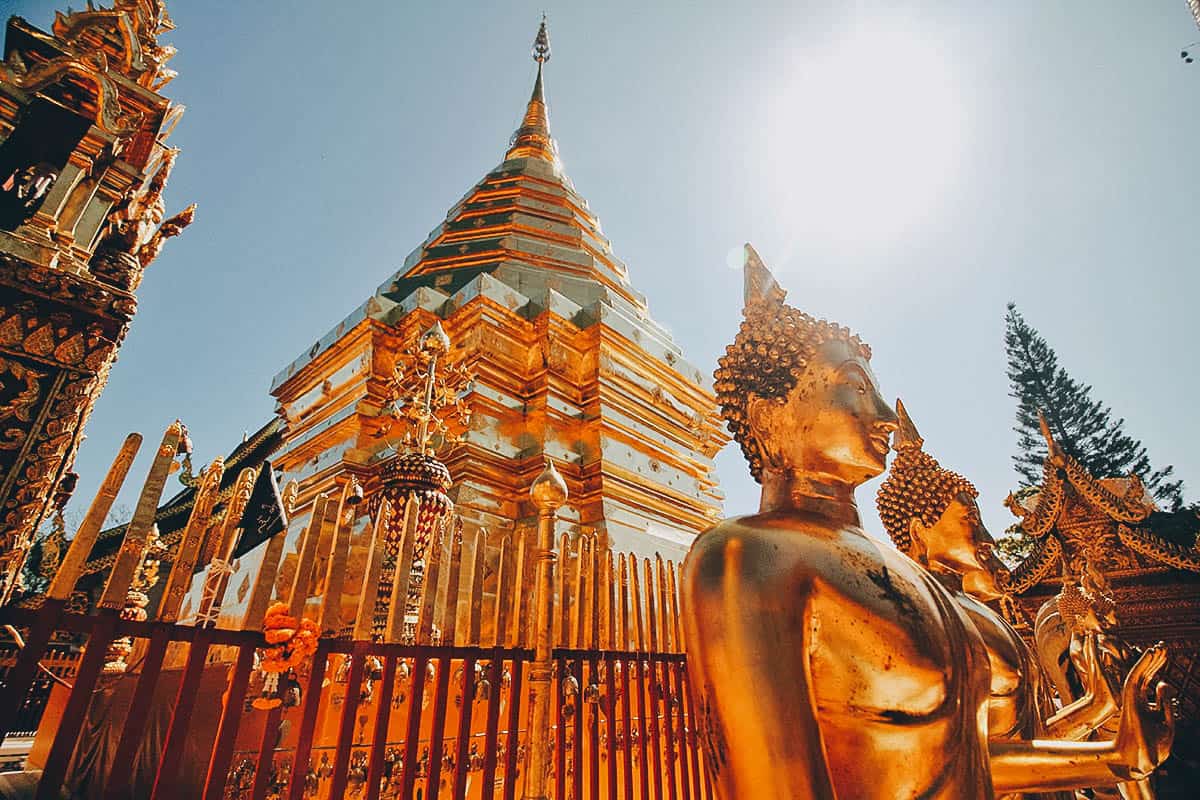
{"x": 532, "y": 139}
{"x": 541, "y": 43}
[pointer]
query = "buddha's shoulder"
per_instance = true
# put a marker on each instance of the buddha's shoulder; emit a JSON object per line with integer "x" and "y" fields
{"x": 775, "y": 539}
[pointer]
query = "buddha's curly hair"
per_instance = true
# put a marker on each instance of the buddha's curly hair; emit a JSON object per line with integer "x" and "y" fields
{"x": 917, "y": 486}
{"x": 768, "y": 356}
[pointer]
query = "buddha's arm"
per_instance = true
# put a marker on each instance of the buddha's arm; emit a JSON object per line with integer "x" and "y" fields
{"x": 1143, "y": 741}
{"x": 751, "y": 645}
{"x": 1048, "y": 765}
{"x": 1081, "y": 717}
{"x": 1098, "y": 703}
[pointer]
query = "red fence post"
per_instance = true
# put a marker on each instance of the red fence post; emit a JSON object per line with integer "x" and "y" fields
{"x": 668, "y": 726}
{"x": 227, "y": 728}
{"x": 266, "y": 753}
{"x": 577, "y": 729}
{"x": 513, "y": 740}
{"x": 20, "y": 676}
{"x": 682, "y": 746}
{"x": 185, "y": 702}
{"x": 594, "y": 731}
{"x": 382, "y": 717}
{"x": 138, "y": 714}
{"x": 412, "y": 737}
{"x": 55, "y": 770}
{"x": 610, "y": 718}
{"x": 462, "y": 742}
{"x": 345, "y": 737}
{"x": 437, "y": 741}
{"x": 560, "y": 737}
{"x": 308, "y": 721}
{"x": 627, "y": 728}
{"x": 488, "y": 790}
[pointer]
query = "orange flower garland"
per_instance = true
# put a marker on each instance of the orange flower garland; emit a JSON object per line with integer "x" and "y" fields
{"x": 292, "y": 642}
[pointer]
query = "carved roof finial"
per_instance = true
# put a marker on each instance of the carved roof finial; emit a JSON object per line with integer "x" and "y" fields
{"x": 1056, "y": 457}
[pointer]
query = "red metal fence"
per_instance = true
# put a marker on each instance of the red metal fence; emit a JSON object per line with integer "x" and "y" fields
{"x": 436, "y": 704}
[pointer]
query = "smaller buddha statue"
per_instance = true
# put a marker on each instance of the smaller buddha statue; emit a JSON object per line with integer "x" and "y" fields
{"x": 932, "y": 515}
{"x": 1099, "y": 660}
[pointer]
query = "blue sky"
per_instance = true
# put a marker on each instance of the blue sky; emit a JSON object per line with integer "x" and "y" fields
{"x": 906, "y": 168}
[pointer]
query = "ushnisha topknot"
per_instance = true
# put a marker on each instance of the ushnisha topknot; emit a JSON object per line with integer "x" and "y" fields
{"x": 770, "y": 353}
{"x": 916, "y": 486}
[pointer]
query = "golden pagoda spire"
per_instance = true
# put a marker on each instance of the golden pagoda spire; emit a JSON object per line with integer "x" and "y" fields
{"x": 532, "y": 139}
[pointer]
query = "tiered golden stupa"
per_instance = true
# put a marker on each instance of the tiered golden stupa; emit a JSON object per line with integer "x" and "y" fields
{"x": 567, "y": 364}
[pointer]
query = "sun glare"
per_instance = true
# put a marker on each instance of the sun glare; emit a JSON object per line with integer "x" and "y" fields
{"x": 864, "y": 138}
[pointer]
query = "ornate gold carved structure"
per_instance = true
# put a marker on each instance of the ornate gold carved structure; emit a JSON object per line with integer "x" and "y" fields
{"x": 1102, "y": 546}
{"x": 82, "y": 169}
{"x": 831, "y": 666}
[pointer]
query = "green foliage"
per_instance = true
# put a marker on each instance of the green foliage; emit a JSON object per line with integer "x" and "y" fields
{"x": 1014, "y": 546}
{"x": 1082, "y": 426}
{"x": 33, "y": 581}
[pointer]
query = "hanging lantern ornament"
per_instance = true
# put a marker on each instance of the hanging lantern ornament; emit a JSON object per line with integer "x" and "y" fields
{"x": 428, "y": 399}
{"x": 291, "y": 642}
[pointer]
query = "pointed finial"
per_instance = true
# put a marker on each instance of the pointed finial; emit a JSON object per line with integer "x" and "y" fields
{"x": 1054, "y": 451}
{"x": 541, "y": 43}
{"x": 760, "y": 284}
{"x": 549, "y": 490}
{"x": 1045, "y": 426}
{"x": 906, "y": 436}
{"x": 532, "y": 139}
{"x": 435, "y": 341}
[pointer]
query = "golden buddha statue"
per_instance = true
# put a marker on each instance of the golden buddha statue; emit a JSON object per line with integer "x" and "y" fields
{"x": 1099, "y": 659}
{"x": 933, "y": 517}
{"x": 830, "y": 665}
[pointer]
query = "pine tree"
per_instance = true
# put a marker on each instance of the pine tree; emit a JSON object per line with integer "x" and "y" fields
{"x": 1082, "y": 426}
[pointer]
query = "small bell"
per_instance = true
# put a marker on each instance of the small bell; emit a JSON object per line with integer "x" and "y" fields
{"x": 355, "y": 496}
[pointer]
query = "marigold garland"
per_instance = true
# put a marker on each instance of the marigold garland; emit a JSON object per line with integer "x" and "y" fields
{"x": 292, "y": 642}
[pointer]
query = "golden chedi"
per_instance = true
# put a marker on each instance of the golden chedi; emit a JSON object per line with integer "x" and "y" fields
{"x": 830, "y": 665}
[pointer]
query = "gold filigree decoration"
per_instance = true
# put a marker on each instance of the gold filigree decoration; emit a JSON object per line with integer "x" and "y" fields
{"x": 92, "y": 67}
{"x": 21, "y": 405}
{"x": 427, "y": 394}
{"x": 137, "y": 24}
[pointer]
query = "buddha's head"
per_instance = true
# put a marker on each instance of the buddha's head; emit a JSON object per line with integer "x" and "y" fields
{"x": 1085, "y": 601}
{"x": 798, "y": 393}
{"x": 932, "y": 515}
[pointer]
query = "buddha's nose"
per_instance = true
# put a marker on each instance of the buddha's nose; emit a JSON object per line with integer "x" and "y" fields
{"x": 885, "y": 416}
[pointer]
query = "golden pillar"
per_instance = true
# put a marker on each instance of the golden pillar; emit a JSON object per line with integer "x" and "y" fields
{"x": 548, "y": 493}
